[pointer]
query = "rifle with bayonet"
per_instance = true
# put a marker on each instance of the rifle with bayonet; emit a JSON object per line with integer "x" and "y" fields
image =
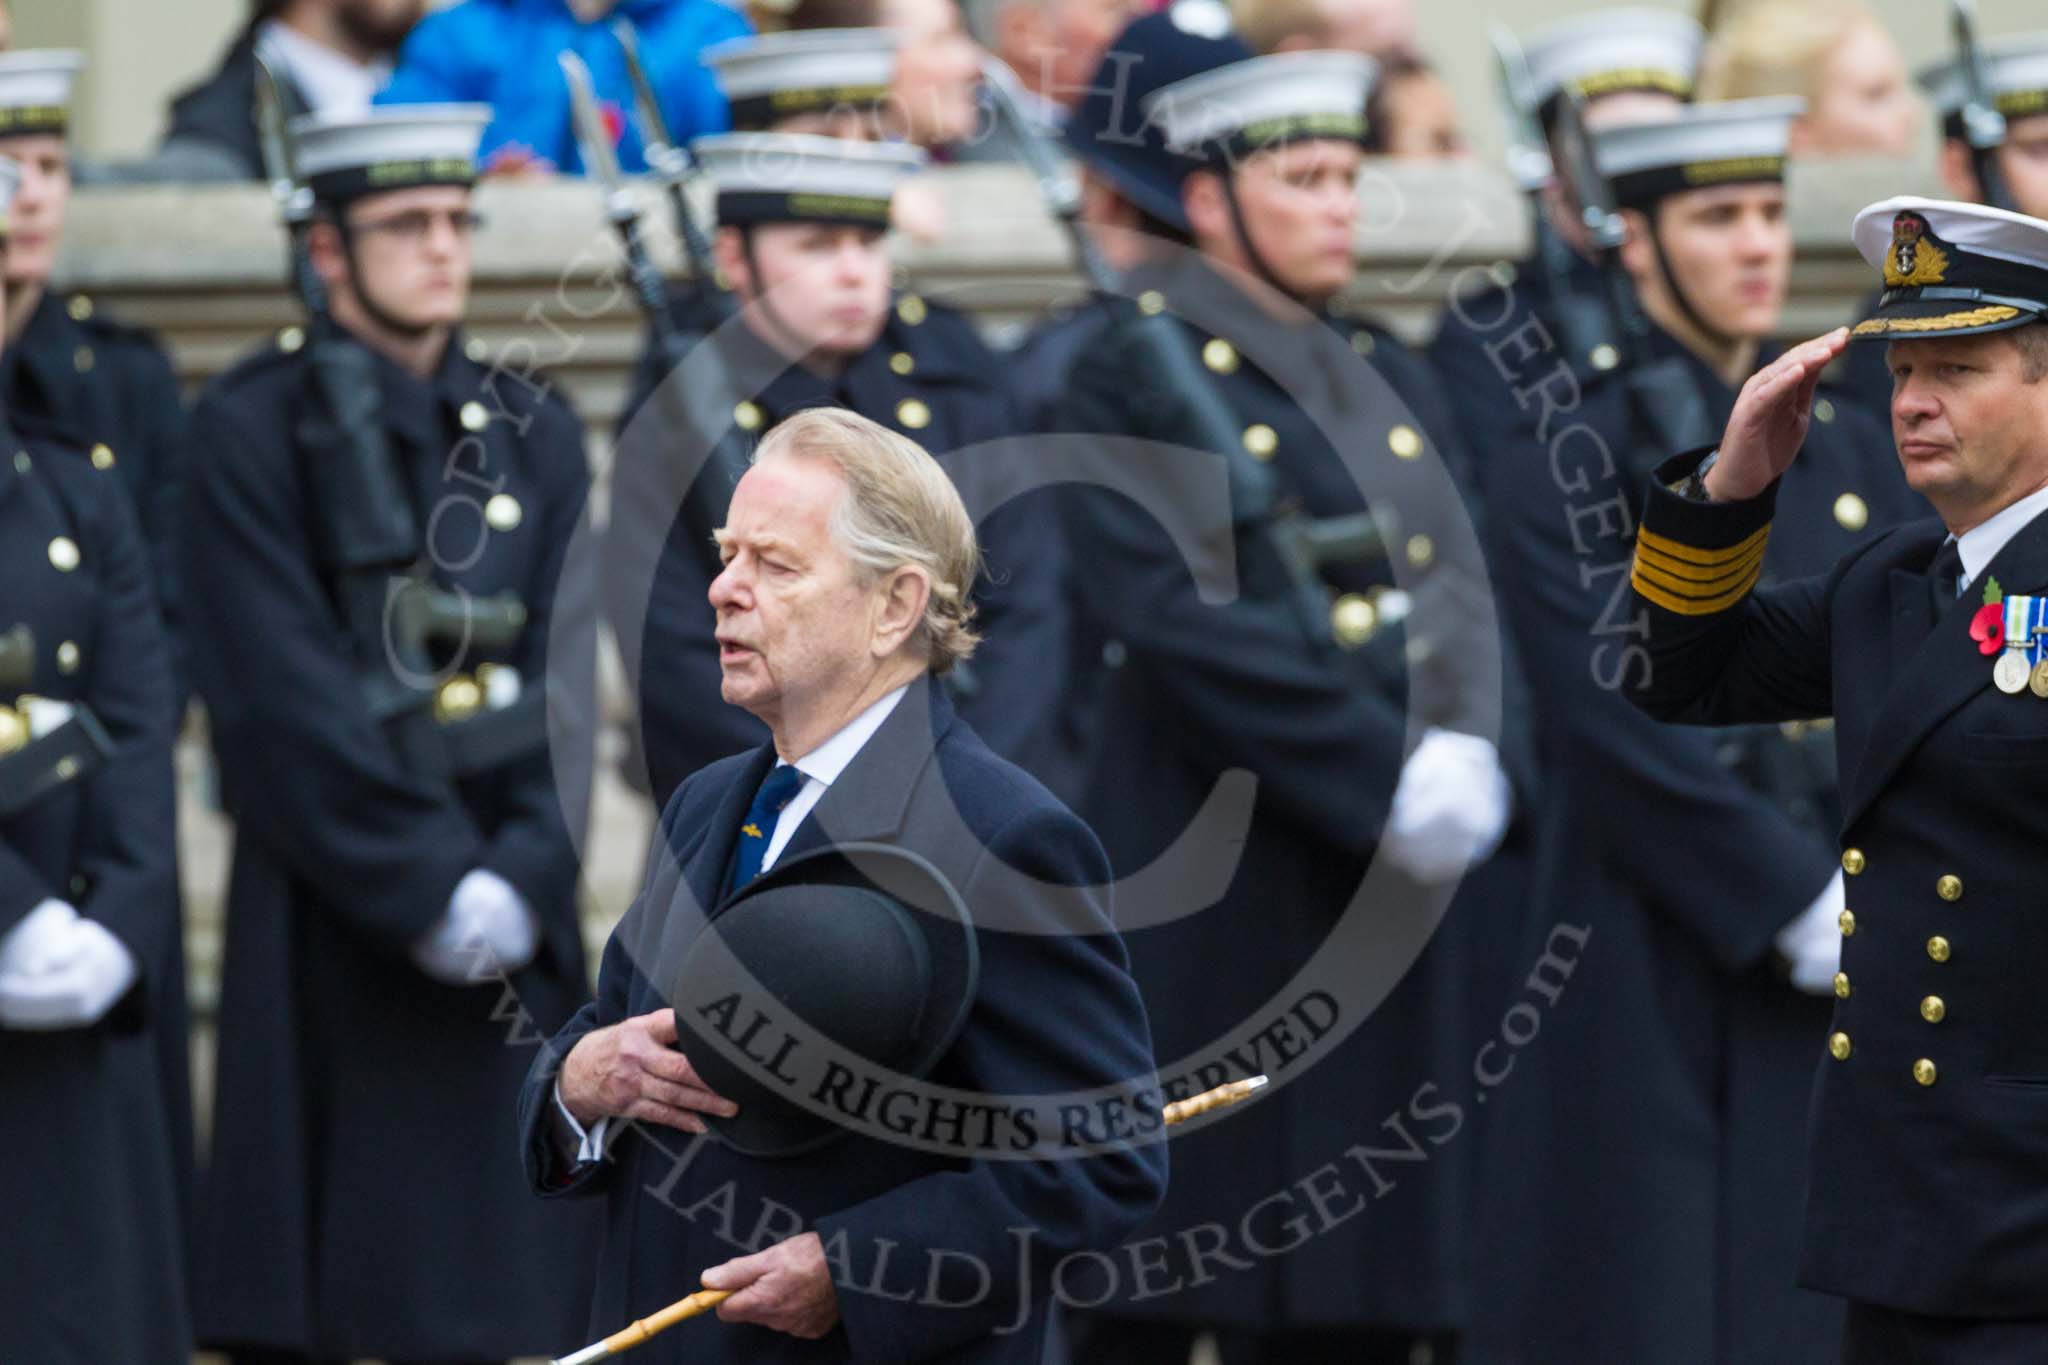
{"x": 1983, "y": 125}
{"x": 710, "y": 492}
{"x": 43, "y": 744}
{"x": 1664, "y": 397}
{"x": 1792, "y": 768}
{"x": 1585, "y": 328}
{"x": 1281, "y": 549}
{"x": 366, "y": 536}
{"x": 673, "y": 169}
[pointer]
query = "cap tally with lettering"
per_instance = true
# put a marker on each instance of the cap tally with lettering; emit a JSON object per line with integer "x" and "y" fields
{"x": 1698, "y": 146}
{"x": 35, "y": 91}
{"x": 2015, "y": 77}
{"x": 1611, "y": 52}
{"x": 801, "y": 178}
{"x": 776, "y": 76}
{"x": 1245, "y": 107}
{"x": 346, "y": 156}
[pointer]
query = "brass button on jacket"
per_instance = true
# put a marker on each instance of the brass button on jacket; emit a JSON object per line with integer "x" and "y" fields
{"x": 1949, "y": 888}
{"x": 1838, "y": 1047}
{"x": 1924, "y": 1072}
{"x": 1933, "y": 1010}
{"x": 1852, "y": 860}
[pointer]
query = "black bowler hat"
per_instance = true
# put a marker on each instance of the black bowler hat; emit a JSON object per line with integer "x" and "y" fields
{"x": 1952, "y": 269}
{"x": 1111, "y": 130}
{"x": 868, "y": 944}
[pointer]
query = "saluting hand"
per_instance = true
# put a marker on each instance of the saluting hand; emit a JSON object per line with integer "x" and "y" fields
{"x": 632, "y": 1070}
{"x": 787, "y": 1288}
{"x": 1770, "y": 419}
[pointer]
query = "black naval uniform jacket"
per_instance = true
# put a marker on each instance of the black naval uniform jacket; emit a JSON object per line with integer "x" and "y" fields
{"x": 1930, "y": 1120}
{"x": 1678, "y": 1045}
{"x": 95, "y": 1243}
{"x": 1486, "y": 326}
{"x": 109, "y": 388}
{"x": 929, "y": 377}
{"x": 1055, "y": 1010}
{"x": 358, "y": 1099}
{"x": 1193, "y": 690}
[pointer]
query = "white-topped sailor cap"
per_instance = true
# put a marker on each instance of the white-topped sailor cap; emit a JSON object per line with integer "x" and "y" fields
{"x": 803, "y": 178}
{"x": 776, "y": 76}
{"x": 1226, "y": 114}
{"x": 1698, "y": 146}
{"x": 344, "y": 156}
{"x": 2015, "y": 77}
{"x": 1951, "y": 269}
{"x": 1609, "y": 52}
{"x": 10, "y": 181}
{"x": 35, "y": 90}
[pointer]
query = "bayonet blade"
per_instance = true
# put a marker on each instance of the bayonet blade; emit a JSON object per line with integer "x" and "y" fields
{"x": 279, "y": 166}
{"x": 1590, "y": 188}
{"x": 1528, "y": 156}
{"x": 593, "y": 137}
{"x": 646, "y": 108}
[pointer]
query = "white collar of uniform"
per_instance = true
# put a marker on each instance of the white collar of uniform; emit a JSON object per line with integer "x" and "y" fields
{"x": 332, "y": 82}
{"x": 824, "y": 763}
{"x": 1981, "y": 543}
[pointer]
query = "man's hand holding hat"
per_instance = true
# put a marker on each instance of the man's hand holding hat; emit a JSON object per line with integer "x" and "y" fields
{"x": 632, "y": 1070}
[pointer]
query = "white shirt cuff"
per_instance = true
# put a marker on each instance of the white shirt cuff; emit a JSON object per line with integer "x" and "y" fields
{"x": 590, "y": 1144}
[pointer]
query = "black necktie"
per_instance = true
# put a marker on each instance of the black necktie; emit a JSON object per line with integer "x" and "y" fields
{"x": 1944, "y": 577}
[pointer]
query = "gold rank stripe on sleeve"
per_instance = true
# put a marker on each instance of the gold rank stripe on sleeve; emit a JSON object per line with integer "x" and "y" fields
{"x": 1696, "y": 582}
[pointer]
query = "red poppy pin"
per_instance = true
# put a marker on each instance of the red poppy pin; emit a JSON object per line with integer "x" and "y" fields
{"x": 1987, "y": 627}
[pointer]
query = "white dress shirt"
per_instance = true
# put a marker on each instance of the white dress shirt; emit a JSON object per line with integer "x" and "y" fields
{"x": 821, "y": 767}
{"x": 330, "y": 81}
{"x": 1981, "y": 543}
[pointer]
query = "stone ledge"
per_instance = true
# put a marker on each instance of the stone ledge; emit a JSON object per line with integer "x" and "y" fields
{"x": 204, "y": 265}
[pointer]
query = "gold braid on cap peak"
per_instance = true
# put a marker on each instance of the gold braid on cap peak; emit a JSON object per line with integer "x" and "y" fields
{"x": 1974, "y": 317}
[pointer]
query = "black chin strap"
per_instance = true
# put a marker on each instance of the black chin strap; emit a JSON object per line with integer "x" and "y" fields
{"x": 783, "y": 330}
{"x": 411, "y": 331}
{"x": 1244, "y": 240}
{"x": 1692, "y": 315}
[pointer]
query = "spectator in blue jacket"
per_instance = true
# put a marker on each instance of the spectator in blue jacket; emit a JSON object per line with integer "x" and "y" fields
{"x": 502, "y": 52}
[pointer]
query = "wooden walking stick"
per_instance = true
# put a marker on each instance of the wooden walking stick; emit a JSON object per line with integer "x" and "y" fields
{"x": 704, "y": 1300}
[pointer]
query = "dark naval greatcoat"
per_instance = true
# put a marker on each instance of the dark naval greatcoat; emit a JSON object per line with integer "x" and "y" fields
{"x": 361, "y": 1103}
{"x": 1194, "y": 689}
{"x": 1643, "y": 1177}
{"x": 95, "y": 1244}
{"x": 930, "y": 377}
{"x": 108, "y": 389}
{"x": 941, "y": 1255}
{"x": 1928, "y": 1136}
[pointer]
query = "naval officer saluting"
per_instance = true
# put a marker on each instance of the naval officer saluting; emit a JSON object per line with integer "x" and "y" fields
{"x": 1930, "y": 1120}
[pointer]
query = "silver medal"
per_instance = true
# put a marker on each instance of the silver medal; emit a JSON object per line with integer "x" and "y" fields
{"x": 2011, "y": 672}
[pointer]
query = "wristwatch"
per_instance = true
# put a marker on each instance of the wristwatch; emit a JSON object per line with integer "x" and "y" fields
{"x": 1693, "y": 487}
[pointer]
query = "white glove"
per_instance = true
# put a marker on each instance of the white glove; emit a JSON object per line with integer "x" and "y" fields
{"x": 1450, "y": 807}
{"x": 39, "y": 941}
{"x": 1812, "y": 943}
{"x": 488, "y": 928}
{"x": 59, "y": 970}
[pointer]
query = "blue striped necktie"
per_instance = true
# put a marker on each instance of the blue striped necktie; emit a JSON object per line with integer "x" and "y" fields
{"x": 778, "y": 789}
